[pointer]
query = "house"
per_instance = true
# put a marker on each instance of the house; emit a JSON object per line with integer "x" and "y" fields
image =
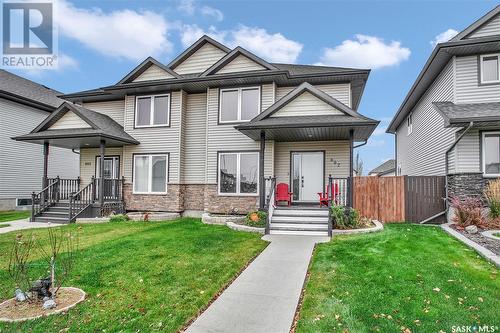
{"x": 207, "y": 131}
{"x": 23, "y": 105}
{"x": 449, "y": 122}
{"x": 388, "y": 168}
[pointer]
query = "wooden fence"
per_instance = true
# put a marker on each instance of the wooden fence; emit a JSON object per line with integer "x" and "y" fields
{"x": 399, "y": 198}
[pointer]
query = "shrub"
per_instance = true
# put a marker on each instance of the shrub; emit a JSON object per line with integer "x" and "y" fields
{"x": 468, "y": 211}
{"x": 492, "y": 193}
{"x": 119, "y": 218}
{"x": 256, "y": 219}
{"x": 345, "y": 217}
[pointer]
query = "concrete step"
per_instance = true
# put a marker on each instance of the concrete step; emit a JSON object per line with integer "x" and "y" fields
{"x": 298, "y": 226}
{"x": 51, "y": 219}
{"x": 61, "y": 205}
{"x": 298, "y": 233}
{"x": 299, "y": 219}
{"x": 51, "y": 213}
{"x": 300, "y": 212}
{"x": 58, "y": 209}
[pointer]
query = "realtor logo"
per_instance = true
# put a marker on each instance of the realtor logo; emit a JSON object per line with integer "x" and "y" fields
{"x": 28, "y": 34}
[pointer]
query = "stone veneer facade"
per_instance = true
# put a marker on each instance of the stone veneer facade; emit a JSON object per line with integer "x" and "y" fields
{"x": 464, "y": 185}
{"x": 197, "y": 197}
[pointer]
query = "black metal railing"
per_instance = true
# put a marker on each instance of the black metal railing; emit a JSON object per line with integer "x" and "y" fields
{"x": 44, "y": 199}
{"x": 81, "y": 200}
{"x": 270, "y": 205}
{"x": 112, "y": 189}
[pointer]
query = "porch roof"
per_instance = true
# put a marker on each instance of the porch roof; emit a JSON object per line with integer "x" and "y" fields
{"x": 459, "y": 115}
{"x": 101, "y": 127}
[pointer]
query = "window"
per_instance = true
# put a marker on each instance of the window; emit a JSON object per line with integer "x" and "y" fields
{"x": 491, "y": 154}
{"x": 490, "y": 69}
{"x": 238, "y": 173}
{"x": 239, "y": 104}
{"x": 151, "y": 111}
{"x": 150, "y": 173}
{"x": 23, "y": 202}
{"x": 409, "y": 123}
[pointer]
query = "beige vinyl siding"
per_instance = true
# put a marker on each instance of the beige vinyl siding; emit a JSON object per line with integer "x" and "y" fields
{"x": 88, "y": 161}
{"x": 21, "y": 163}
{"x": 153, "y": 73}
{"x": 334, "y": 151}
{"x": 194, "y": 134}
{"x": 267, "y": 95}
{"x": 68, "y": 121}
{"x": 201, "y": 60}
{"x": 154, "y": 139}
{"x": 113, "y": 109}
{"x": 490, "y": 28}
{"x": 240, "y": 64}
{"x": 339, "y": 91}
{"x": 182, "y": 132}
{"x": 422, "y": 153}
{"x": 468, "y": 89}
{"x": 468, "y": 153}
{"x": 307, "y": 104}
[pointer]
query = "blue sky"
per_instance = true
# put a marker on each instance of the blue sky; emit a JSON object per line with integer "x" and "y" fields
{"x": 99, "y": 42}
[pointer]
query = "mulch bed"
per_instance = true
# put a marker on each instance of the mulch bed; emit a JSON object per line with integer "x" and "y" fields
{"x": 491, "y": 244}
{"x": 12, "y": 311}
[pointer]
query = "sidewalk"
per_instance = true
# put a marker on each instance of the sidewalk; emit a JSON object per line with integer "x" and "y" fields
{"x": 25, "y": 224}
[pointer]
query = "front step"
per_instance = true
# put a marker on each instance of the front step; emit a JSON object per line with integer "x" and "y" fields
{"x": 46, "y": 219}
{"x": 301, "y": 212}
{"x": 311, "y": 222}
{"x": 299, "y": 219}
{"x": 298, "y": 226}
{"x": 298, "y": 233}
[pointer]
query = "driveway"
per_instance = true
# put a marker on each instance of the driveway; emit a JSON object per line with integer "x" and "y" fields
{"x": 24, "y": 224}
{"x": 265, "y": 296}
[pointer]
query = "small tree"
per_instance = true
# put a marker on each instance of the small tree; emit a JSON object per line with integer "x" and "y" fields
{"x": 358, "y": 164}
{"x": 19, "y": 268}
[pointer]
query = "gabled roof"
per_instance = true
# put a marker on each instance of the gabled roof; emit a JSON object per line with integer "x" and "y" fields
{"x": 477, "y": 24}
{"x": 101, "y": 125}
{"x": 24, "y": 91}
{"x": 195, "y": 47}
{"x": 232, "y": 55}
{"x": 385, "y": 168}
{"x": 462, "y": 114}
{"x": 143, "y": 66}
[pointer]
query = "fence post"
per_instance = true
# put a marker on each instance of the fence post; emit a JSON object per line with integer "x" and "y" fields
{"x": 33, "y": 195}
{"x": 92, "y": 180}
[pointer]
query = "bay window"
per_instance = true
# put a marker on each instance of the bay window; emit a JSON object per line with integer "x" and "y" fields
{"x": 490, "y": 69}
{"x": 238, "y": 173}
{"x": 491, "y": 154}
{"x": 239, "y": 104}
{"x": 150, "y": 173}
{"x": 152, "y": 111}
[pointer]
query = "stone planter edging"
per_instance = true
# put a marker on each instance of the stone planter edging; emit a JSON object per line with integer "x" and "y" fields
{"x": 220, "y": 219}
{"x": 88, "y": 220}
{"x": 484, "y": 252}
{"x": 66, "y": 308}
{"x": 378, "y": 227}
{"x": 247, "y": 228}
{"x": 154, "y": 216}
{"x": 489, "y": 234}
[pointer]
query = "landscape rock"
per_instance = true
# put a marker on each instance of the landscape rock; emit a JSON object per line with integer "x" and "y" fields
{"x": 471, "y": 229}
{"x": 20, "y": 295}
{"x": 49, "y": 304}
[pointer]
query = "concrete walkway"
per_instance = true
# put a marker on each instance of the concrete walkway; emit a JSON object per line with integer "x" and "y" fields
{"x": 265, "y": 296}
{"x": 25, "y": 224}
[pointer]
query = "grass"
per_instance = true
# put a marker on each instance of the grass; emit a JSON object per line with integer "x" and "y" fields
{"x": 142, "y": 276}
{"x": 497, "y": 234}
{"x": 407, "y": 276}
{"x": 4, "y": 225}
{"x": 11, "y": 215}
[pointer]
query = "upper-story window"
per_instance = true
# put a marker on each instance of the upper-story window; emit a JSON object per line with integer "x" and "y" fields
{"x": 152, "y": 111}
{"x": 490, "y": 69}
{"x": 239, "y": 104}
{"x": 409, "y": 123}
{"x": 491, "y": 154}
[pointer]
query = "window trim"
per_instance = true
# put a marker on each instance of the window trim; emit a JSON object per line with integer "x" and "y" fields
{"x": 238, "y": 173}
{"x": 483, "y": 164}
{"x": 409, "y": 123}
{"x": 150, "y": 180}
{"x": 151, "y": 114}
{"x": 239, "y": 90}
{"x": 481, "y": 57}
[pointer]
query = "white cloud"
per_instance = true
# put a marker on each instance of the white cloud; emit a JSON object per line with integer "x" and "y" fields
{"x": 67, "y": 62}
{"x": 212, "y": 12}
{"x": 64, "y": 63}
{"x": 122, "y": 33}
{"x": 186, "y": 7}
{"x": 444, "y": 37}
{"x": 189, "y": 7}
{"x": 365, "y": 52}
{"x": 273, "y": 47}
{"x": 375, "y": 143}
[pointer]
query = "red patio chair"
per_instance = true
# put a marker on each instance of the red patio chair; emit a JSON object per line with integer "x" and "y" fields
{"x": 330, "y": 194}
{"x": 283, "y": 194}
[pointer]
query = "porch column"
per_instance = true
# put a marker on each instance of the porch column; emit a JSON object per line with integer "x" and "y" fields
{"x": 45, "y": 180}
{"x": 101, "y": 171}
{"x": 351, "y": 169}
{"x": 262, "y": 184}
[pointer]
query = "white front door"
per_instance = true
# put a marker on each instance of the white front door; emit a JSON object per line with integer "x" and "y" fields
{"x": 307, "y": 175}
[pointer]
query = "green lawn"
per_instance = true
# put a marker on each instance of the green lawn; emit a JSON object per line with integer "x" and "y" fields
{"x": 143, "y": 276}
{"x": 4, "y": 225}
{"x": 407, "y": 276}
{"x": 11, "y": 215}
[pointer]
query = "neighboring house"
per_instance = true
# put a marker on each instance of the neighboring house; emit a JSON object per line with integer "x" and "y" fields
{"x": 23, "y": 105}
{"x": 201, "y": 133}
{"x": 449, "y": 123}
{"x": 388, "y": 168}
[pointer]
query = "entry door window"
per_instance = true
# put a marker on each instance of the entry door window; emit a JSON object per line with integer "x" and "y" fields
{"x": 111, "y": 168}
{"x": 307, "y": 175}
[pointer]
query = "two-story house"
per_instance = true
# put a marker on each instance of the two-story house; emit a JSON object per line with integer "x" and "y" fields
{"x": 202, "y": 133}
{"x": 449, "y": 123}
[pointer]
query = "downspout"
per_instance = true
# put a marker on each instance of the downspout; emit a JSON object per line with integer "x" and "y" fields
{"x": 74, "y": 151}
{"x": 360, "y": 145}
